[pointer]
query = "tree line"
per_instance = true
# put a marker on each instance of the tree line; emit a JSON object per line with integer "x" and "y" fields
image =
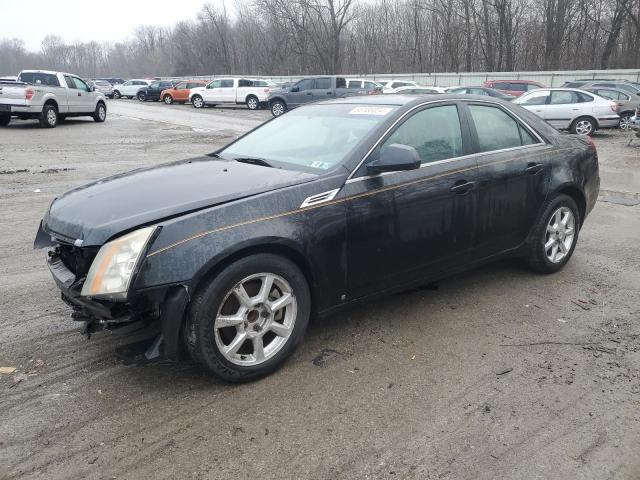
{"x": 298, "y": 37}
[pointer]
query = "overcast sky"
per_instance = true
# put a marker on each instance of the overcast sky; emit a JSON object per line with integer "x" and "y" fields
{"x": 85, "y": 20}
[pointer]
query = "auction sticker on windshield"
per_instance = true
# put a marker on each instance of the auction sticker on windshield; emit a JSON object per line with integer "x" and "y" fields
{"x": 370, "y": 110}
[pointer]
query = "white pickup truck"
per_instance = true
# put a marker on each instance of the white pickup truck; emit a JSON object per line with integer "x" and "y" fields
{"x": 49, "y": 97}
{"x": 251, "y": 92}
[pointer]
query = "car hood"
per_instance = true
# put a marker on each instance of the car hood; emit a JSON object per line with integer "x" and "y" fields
{"x": 96, "y": 212}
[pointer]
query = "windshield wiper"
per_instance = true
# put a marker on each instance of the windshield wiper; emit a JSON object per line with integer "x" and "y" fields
{"x": 254, "y": 161}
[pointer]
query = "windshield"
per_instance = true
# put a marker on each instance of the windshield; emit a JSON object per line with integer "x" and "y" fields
{"x": 316, "y": 136}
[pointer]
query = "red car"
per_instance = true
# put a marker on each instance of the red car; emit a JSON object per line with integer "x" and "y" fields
{"x": 514, "y": 88}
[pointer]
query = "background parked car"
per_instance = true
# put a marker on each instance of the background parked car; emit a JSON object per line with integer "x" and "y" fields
{"x": 418, "y": 90}
{"x": 252, "y": 92}
{"x": 179, "y": 93}
{"x": 364, "y": 86}
{"x": 102, "y": 86}
{"x": 627, "y": 101}
{"x": 513, "y": 88}
{"x": 309, "y": 89}
{"x": 154, "y": 89}
{"x": 579, "y": 111}
{"x": 490, "y": 92}
{"x": 618, "y": 85}
{"x": 129, "y": 89}
{"x": 112, "y": 80}
{"x": 390, "y": 86}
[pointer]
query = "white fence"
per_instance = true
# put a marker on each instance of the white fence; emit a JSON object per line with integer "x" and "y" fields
{"x": 550, "y": 79}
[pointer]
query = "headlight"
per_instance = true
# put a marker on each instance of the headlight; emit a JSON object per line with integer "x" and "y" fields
{"x": 115, "y": 264}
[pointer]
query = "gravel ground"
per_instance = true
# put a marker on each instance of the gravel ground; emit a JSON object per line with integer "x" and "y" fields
{"x": 497, "y": 373}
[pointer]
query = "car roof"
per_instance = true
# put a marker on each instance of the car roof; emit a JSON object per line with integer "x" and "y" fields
{"x": 515, "y": 81}
{"x": 409, "y": 100}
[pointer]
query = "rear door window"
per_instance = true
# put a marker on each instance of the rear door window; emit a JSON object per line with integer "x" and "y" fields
{"x": 243, "y": 82}
{"x": 497, "y": 130}
{"x": 536, "y": 98}
{"x": 354, "y": 84}
{"x": 518, "y": 87}
{"x": 560, "y": 97}
{"x": 434, "y": 132}
{"x": 322, "y": 84}
{"x": 226, "y": 83}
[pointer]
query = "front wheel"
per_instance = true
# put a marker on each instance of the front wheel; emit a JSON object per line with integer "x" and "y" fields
{"x": 278, "y": 108}
{"x": 100, "y": 115}
{"x": 168, "y": 99}
{"x": 249, "y": 318}
{"x": 142, "y": 96}
{"x": 197, "y": 101}
{"x": 116, "y": 94}
{"x": 555, "y": 236}
{"x": 583, "y": 126}
{"x": 4, "y": 120}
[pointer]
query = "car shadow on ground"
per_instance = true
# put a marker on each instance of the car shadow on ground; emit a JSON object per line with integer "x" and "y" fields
{"x": 323, "y": 335}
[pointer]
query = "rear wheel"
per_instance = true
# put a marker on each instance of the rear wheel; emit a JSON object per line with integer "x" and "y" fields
{"x": 4, "y": 120}
{"x": 142, "y": 96}
{"x": 249, "y": 318}
{"x": 278, "y": 108}
{"x": 168, "y": 99}
{"x": 555, "y": 236}
{"x": 100, "y": 114}
{"x": 197, "y": 101}
{"x": 252, "y": 102}
{"x": 583, "y": 126}
{"x": 49, "y": 116}
{"x": 625, "y": 121}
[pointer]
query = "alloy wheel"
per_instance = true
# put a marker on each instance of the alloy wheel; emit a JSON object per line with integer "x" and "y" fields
{"x": 168, "y": 100}
{"x": 625, "y": 122}
{"x": 252, "y": 103}
{"x": 584, "y": 127}
{"x": 197, "y": 102}
{"x": 277, "y": 109}
{"x": 560, "y": 234}
{"x": 52, "y": 117}
{"x": 255, "y": 319}
{"x": 102, "y": 112}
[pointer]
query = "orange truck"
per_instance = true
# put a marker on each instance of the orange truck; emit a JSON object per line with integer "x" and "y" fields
{"x": 180, "y": 92}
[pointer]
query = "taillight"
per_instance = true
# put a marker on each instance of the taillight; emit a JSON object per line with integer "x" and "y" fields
{"x": 29, "y": 93}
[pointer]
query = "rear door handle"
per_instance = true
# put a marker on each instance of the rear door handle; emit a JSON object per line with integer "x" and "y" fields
{"x": 462, "y": 186}
{"x": 533, "y": 168}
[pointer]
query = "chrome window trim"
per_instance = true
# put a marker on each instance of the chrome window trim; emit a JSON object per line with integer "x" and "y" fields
{"x": 351, "y": 179}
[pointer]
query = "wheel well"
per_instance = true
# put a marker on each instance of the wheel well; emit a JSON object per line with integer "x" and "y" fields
{"x": 277, "y": 249}
{"x": 578, "y": 197}
{"x": 52, "y": 102}
{"x": 251, "y": 95}
{"x": 278, "y": 99}
{"x": 630, "y": 112}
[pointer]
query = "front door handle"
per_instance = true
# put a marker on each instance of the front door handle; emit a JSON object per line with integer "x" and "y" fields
{"x": 533, "y": 168}
{"x": 308, "y": 93}
{"x": 462, "y": 186}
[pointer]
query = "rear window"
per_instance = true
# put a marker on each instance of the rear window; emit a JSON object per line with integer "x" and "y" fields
{"x": 38, "y": 78}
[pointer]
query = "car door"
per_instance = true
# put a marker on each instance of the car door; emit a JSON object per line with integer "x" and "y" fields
{"x": 303, "y": 94}
{"x": 227, "y": 90}
{"x": 181, "y": 91}
{"x": 536, "y": 102}
{"x": 513, "y": 174}
{"x": 563, "y": 106}
{"x": 78, "y": 95}
{"x": 322, "y": 89}
{"x": 411, "y": 225}
{"x": 211, "y": 94}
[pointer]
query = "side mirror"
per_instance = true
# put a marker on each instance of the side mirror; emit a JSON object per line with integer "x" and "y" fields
{"x": 295, "y": 88}
{"x": 394, "y": 158}
{"x": 92, "y": 88}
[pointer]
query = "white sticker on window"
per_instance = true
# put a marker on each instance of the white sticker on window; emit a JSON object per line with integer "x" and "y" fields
{"x": 319, "y": 164}
{"x": 370, "y": 110}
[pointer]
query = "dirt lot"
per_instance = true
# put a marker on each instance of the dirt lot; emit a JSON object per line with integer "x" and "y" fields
{"x": 498, "y": 373}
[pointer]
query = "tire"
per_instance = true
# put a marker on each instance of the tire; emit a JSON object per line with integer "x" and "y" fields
{"x": 4, "y": 120}
{"x": 168, "y": 99}
{"x": 625, "y": 121}
{"x": 49, "y": 116}
{"x": 252, "y": 102}
{"x": 197, "y": 101}
{"x": 583, "y": 126}
{"x": 547, "y": 238}
{"x": 142, "y": 96}
{"x": 100, "y": 115}
{"x": 129, "y": 97}
{"x": 278, "y": 108}
{"x": 116, "y": 94}
{"x": 254, "y": 324}
{"x": 62, "y": 118}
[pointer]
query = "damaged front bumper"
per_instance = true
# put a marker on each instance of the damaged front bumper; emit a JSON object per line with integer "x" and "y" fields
{"x": 162, "y": 307}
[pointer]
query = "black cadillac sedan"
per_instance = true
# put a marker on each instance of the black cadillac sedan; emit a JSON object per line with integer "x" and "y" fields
{"x": 335, "y": 202}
